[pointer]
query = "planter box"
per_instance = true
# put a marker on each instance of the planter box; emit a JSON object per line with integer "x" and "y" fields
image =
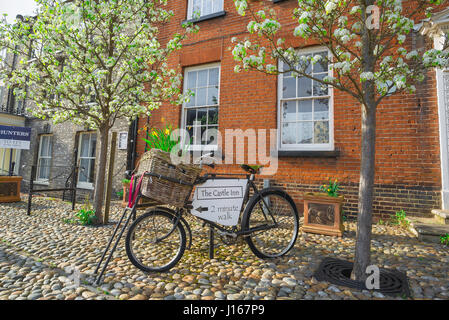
{"x": 322, "y": 214}
{"x": 10, "y": 188}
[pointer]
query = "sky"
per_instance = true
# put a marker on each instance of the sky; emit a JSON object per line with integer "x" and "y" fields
{"x": 15, "y": 7}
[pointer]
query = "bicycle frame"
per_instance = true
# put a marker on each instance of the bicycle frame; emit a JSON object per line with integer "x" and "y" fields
{"x": 251, "y": 185}
{"x": 177, "y": 216}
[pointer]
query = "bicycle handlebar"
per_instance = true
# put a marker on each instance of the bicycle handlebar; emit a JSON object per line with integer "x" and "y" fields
{"x": 209, "y": 155}
{"x": 201, "y": 158}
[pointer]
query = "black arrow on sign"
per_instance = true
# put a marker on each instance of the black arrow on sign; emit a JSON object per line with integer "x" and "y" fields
{"x": 201, "y": 209}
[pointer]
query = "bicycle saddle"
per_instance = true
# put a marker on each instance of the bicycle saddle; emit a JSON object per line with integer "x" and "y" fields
{"x": 253, "y": 169}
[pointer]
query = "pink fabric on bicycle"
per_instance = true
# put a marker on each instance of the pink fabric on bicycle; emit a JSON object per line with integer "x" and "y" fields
{"x": 132, "y": 201}
{"x": 130, "y": 193}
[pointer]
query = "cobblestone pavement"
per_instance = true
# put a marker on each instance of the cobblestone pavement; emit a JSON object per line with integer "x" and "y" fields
{"x": 36, "y": 250}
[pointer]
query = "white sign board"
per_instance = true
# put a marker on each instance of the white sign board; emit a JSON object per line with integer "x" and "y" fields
{"x": 123, "y": 140}
{"x": 220, "y": 200}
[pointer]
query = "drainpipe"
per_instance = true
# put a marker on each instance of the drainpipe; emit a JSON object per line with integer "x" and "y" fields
{"x": 132, "y": 143}
{"x": 10, "y": 101}
{"x": 147, "y": 132}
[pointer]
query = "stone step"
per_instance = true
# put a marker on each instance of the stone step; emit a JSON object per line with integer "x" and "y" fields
{"x": 441, "y": 216}
{"x": 428, "y": 230}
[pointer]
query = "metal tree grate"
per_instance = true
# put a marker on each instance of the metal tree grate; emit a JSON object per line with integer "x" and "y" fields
{"x": 338, "y": 272}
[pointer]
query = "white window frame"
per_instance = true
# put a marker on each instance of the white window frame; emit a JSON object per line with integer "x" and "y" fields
{"x": 306, "y": 147}
{"x": 39, "y": 157}
{"x": 185, "y": 108}
{"x": 190, "y": 8}
{"x": 83, "y": 184}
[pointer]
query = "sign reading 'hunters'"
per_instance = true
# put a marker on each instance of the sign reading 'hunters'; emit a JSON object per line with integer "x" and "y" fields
{"x": 220, "y": 200}
{"x": 15, "y": 137}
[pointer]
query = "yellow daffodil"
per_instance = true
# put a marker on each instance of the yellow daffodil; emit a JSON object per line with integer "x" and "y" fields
{"x": 155, "y": 134}
{"x": 167, "y": 132}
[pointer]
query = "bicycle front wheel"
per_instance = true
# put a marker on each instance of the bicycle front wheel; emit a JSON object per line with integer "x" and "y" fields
{"x": 272, "y": 223}
{"x": 154, "y": 242}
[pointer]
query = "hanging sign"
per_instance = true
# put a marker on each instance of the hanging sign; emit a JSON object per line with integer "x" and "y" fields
{"x": 220, "y": 200}
{"x": 15, "y": 137}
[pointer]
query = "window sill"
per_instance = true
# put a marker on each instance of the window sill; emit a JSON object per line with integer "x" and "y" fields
{"x": 85, "y": 187}
{"x": 206, "y": 17}
{"x": 309, "y": 154}
{"x": 202, "y": 148}
{"x": 43, "y": 183}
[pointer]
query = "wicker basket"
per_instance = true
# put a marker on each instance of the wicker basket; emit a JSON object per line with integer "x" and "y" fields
{"x": 158, "y": 162}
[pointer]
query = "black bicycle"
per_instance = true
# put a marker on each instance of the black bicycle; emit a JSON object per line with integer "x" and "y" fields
{"x": 267, "y": 219}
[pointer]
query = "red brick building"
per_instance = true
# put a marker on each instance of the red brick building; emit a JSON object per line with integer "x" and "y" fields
{"x": 408, "y": 160}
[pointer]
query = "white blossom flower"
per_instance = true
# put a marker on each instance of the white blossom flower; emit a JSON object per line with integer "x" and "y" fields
{"x": 280, "y": 41}
{"x": 301, "y": 30}
{"x": 412, "y": 55}
{"x": 401, "y": 38}
{"x": 271, "y": 68}
{"x": 330, "y": 6}
{"x": 354, "y": 10}
{"x": 365, "y": 76}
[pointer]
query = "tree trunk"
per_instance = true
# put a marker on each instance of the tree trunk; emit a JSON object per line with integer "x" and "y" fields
{"x": 101, "y": 173}
{"x": 366, "y": 190}
{"x": 366, "y": 186}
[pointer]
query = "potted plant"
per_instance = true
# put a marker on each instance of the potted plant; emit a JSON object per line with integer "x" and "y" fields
{"x": 322, "y": 210}
{"x": 125, "y": 192}
{"x": 160, "y": 139}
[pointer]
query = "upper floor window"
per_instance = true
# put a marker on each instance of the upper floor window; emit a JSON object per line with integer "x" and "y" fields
{"x": 2, "y": 85}
{"x": 3, "y": 53}
{"x": 36, "y": 49}
{"x": 200, "y": 114}
{"x": 305, "y": 107}
{"x": 3, "y": 94}
{"x": 200, "y": 8}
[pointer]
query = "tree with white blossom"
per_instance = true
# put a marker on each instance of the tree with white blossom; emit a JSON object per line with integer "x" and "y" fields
{"x": 92, "y": 62}
{"x": 368, "y": 59}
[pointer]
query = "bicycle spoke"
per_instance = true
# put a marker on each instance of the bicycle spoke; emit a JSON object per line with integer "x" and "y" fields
{"x": 156, "y": 243}
{"x": 275, "y": 241}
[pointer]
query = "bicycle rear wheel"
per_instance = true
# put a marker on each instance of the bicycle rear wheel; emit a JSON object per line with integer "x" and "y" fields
{"x": 154, "y": 243}
{"x": 271, "y": 219}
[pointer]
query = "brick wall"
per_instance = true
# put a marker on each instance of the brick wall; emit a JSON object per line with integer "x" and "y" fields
{"x": 407, "y": 144}
{"x": 388, "y": 198}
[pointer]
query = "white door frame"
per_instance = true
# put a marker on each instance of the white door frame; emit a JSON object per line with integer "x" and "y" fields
{"x": 443, "y": 117}
{"x": 442, "y": 78}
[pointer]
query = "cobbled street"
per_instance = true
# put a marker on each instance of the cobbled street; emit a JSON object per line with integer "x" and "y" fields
{"x": 36, "y": 252}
